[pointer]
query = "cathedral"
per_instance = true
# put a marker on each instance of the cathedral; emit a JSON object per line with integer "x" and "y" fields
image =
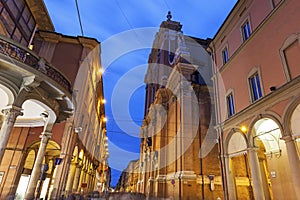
{"x": 179, "y": 151}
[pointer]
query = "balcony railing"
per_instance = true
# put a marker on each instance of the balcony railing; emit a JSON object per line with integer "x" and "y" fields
{"x": 22, "y": 54}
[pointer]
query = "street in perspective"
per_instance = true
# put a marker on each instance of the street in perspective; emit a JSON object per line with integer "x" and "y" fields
{"x": 149, "y": 100}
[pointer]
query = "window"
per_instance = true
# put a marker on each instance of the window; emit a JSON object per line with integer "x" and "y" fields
{"x": 255, "y": 87}
{"x": 246, "y": 30}
{"x": 13, "y": 8}
{"x": 225, "y": 55}
{"x": 230, "y": 105}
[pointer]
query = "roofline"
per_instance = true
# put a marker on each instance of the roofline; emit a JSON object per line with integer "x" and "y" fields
{"x": 226, "y": 19}
{"x": 48, "y": 16}
{"x": 68, "y": 36}
{"x": 40, "y": 14}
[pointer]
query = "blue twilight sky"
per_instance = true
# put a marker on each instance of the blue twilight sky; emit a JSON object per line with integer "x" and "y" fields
{"x": 107, "y": 21}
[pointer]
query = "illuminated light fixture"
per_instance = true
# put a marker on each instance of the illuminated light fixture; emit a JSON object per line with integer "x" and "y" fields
{"x": 104, "y": 119}
{"x": 103, "y": 101}
{"x": 101, "y": 71}
{"x": 244, "y": 129}
{"x": 78, "y": 129}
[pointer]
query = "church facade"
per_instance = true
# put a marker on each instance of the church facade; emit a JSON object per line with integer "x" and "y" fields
{"x": 179, "y": 154}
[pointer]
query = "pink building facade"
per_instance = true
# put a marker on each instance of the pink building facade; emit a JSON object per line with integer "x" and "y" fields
{"x": 256, "y": 81}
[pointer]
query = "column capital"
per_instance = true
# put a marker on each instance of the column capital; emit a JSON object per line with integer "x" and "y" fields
{"x": 287, "y": 138}
{"x": 251, "y": 149}
{"x": 30, "y": 82}
{"x": 12, "y": 112}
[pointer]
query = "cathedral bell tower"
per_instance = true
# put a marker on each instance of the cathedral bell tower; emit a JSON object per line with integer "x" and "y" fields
{"x": 161, "y": 57}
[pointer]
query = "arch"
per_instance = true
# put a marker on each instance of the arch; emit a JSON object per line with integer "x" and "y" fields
{"x": 52, "y": 150}
{"x": 81, "y": 155}
{"x": 235, "y": 143}
{"x": 294, "y": 122}
{"x": 10, "y": 88}
{"x": 39, "y": 96}
{"x": 76, "y": 151}
{"x": 266, "y": 132}
{"x": 252, "y": 133}
{"x": 288, "y": 115}
{"x": 32, "y": 114}
{"x": 51, "y": 146}
{"x": 75, "y": 154}
{"x": 30, "y": 158}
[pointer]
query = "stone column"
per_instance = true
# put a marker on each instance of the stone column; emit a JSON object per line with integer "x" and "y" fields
{"x": 62, "y": 170}
{"x": 230, "y": 179}
{"x": 49, "y": 118}
{"x": 51, "y": 179}
{"x": 293, "y": 163}
{"x": 93, "y": 180}
{"x": 77, "y": 177}
{"x": 10, "y": 115}
{"x": 256, "y": 174}
{"x": 36, "y": 171}
{"x": 88, "y": 179}
{"x": 81, "y": 178}
{"x": 71, "y": 177}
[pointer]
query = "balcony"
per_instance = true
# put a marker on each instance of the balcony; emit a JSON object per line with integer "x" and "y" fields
{"x": 17, "y": 52}
{"x": 52, "y": 88}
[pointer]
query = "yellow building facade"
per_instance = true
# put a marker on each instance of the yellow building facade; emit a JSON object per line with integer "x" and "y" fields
{"x": 52, "y": 140}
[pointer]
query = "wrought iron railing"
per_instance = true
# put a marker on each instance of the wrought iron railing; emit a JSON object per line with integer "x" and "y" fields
{"x": 28, "y": 57}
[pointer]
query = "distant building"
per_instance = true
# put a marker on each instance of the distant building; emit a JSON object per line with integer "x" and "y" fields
{"x": 256, "y": 77}
{"x": 52, "y": 118}
{"x": 129, "y": 178}
{"x": 179, "y": 151}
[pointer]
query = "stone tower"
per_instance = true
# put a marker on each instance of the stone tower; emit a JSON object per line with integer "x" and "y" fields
{"x": 179, "y": 154}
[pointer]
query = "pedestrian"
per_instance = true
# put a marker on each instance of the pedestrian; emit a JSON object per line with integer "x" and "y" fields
{"x": 71, "y": 197}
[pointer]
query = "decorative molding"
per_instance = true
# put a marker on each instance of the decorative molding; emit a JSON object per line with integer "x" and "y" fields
{"x": 18, "y": 53}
